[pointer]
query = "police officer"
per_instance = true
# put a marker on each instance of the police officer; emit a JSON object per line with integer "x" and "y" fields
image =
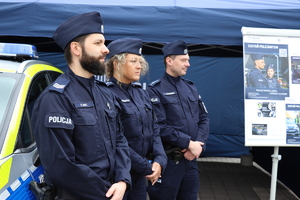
{"x": 271, "y": 81}
{"x": 184, "y": 126}
{"x": 82, "y": 148}
{"x": 255, "y": 78}
{"x": 125, "y": 65}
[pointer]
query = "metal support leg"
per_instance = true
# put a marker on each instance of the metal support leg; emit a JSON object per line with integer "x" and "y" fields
{"x": 275, "y": 159}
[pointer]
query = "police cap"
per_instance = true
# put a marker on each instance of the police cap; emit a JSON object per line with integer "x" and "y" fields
{"x": 175, "y": 48}
{"x": 76, "y": 26}
{"x": 125, "y": 45}
{"x": 270, "y": 66}
{"x": 257, "y": 57}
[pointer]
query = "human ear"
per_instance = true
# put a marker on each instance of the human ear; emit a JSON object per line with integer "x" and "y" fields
{"x": 75, "y": 48}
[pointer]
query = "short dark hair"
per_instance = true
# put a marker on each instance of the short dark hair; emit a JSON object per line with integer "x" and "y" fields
{"x": 67, "y": 51}
{"x": 171, "y": 56}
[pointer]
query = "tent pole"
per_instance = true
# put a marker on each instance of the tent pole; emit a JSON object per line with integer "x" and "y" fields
{"x": 275, "y": 159}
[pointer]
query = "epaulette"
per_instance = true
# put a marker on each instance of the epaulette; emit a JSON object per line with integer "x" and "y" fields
{"x": 154, "y": 82}
{"x": 188, "y": 81}
{"x": 109, "y": 83}
{"x": 59, "y": 85}
{"x": 136, "y": 84}
{"x": 99, "y": 82}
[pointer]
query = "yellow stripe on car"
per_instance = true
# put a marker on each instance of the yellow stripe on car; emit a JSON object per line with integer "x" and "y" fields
{"x": 11, "y": 137}
{"x": 5, "y": 167}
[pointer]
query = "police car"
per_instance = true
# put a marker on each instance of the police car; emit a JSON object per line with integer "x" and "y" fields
{"x": 22, "y": 79}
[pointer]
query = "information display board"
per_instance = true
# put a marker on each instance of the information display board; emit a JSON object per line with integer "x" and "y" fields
{"x": 271, "y": 86}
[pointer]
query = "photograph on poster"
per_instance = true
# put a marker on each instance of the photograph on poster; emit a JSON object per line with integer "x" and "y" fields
{"x": 266, "y": 70}
{"x": 259, "y": 129}
{"x": 292, "y": 123}
{"x": 295, "y": 69}
{"x": 266, "y": 109}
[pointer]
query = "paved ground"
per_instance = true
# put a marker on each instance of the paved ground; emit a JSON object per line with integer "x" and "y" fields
{"x": 227, "y": 179}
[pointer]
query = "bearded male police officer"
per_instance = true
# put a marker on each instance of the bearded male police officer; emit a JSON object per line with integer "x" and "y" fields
{"x": 76, "y": 123}
{"x": 184, "y": 126}
{"x": 255, "y": 78}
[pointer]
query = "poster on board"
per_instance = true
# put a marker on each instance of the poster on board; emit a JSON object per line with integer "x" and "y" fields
{"x": 271, "y": 86}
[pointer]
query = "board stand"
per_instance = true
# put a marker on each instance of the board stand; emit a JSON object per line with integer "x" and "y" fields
{"x": 276, "y": 158}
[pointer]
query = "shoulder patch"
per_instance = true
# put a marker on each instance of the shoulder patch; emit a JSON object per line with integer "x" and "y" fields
{"x": 188, "y": 81}
{"x": 155, "y": 100}
{"x": 59, "y": 85}
{"x": 58, "y": 120}
{"x": 154, "y": 82}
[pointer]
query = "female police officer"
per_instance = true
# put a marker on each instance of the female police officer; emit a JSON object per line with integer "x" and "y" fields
{"x": 271, "y": 81}
{"x": 75, "y": 120}
{"x": 124, "y": 67}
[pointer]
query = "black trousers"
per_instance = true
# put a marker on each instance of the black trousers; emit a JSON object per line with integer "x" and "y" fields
{"x": 63, "y": 195}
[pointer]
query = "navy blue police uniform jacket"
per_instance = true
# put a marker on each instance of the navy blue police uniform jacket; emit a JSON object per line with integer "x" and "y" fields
{"x": 256, "y": 79}
{"x": 272, "y": 83}
{"x": 79, "y": 137}
{"x": 140, "y": 126}
{"x": 181, "y": 114}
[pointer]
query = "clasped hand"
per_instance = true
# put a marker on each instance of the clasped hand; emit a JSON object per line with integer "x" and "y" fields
{"x": 194, "y": 150}
{"x": 156, "y": 173}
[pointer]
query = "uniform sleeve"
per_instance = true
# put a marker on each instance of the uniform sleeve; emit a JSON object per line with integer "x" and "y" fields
{"x": 140, "y": 164}
{"x": 123, "y": 162}
{"x": 57, "y": 152}
{"x": 203, "y": 124}
{"x": 158, "y": 151}
{"x": 167, "y": 133}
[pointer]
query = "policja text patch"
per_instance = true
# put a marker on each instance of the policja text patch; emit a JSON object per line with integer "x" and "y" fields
{"x": 58, "y": 120}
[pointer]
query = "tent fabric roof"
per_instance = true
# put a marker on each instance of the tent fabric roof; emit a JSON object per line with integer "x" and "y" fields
{"x": 212, "y": 22}
{"x": 233, "y": 4}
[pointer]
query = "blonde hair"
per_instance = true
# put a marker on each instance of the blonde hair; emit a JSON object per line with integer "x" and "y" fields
{"x": 120, "y": 60}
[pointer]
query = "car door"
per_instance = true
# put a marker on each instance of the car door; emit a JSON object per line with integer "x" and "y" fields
{"x": 25, "y": 166}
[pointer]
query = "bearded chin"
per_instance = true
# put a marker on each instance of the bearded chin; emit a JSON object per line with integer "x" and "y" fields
{"x": 96, "y": 67}
{"x": 92, "y": 64}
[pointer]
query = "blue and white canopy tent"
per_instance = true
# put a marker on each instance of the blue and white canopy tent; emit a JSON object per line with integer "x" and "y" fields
{"x": 212, "y": 28}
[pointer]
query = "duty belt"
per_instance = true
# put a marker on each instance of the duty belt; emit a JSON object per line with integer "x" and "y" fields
{"x": 175, "y": 153}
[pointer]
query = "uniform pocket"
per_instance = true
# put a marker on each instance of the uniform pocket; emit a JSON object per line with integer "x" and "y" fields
{"x": 111, "y": 121}
{"x": 194, "y": 107}
{"x": 111, "y": 113}
{"x": 173, "y": 110}
{"x": 86, "y": 129}
{"x": 84, "y": 116}
{"x": 149, "y": 113}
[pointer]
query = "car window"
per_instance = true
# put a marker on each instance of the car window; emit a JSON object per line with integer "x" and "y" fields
{"x": 53, "y": 75}
{"x": 38, "y": 85}
{"x": 25, "y": 136}
{"x": 10, "y": 82}
{"x": 6, "y": 89}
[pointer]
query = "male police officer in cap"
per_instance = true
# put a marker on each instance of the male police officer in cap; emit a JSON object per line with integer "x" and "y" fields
{"x": 76, "y": 122}
{"x": 255, "y": 78}
{"x": 184, "y": 126}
